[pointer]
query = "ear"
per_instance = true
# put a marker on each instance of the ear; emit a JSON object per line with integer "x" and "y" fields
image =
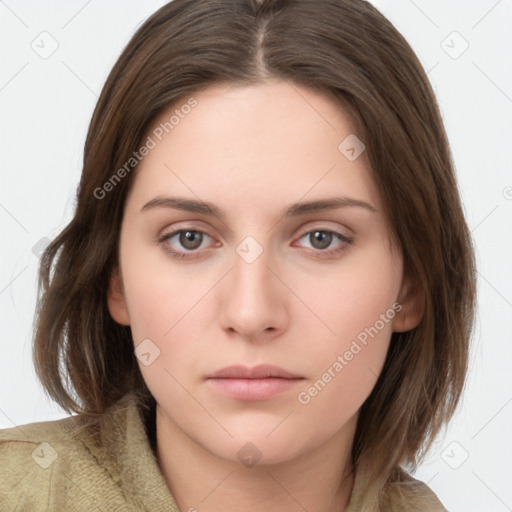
{"x": 116, "y": 301}
{"x": 412, "y": 307}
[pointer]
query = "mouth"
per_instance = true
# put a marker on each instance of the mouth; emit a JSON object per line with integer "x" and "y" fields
{"x": 261, "y": 382}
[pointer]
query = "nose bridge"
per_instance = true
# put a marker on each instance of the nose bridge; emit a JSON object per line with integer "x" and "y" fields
{"x": 252, "y": 301}
{"x": 251, "y": 275}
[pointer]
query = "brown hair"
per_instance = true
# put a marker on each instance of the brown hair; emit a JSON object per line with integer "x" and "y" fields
{"x": 344, "y": 48}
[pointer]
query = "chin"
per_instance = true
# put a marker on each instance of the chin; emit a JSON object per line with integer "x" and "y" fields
{"x": 253, "y": 446}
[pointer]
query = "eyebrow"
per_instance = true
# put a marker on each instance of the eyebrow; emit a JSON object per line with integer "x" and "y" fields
{"x": 296, "y": 209}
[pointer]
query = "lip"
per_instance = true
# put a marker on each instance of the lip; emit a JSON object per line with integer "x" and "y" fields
{"x": 261, "y": 382}
{"x": 262, "y": 371}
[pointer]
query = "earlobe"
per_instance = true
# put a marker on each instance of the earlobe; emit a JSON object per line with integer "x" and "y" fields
{"x": 412, "y": 308}
{"x": 116, "y": 301}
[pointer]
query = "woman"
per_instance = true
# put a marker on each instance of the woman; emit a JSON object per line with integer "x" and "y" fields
{"x": 241, "y": 312}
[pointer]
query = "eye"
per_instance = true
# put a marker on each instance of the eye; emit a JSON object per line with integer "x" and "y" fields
{"x": 189, "y": 239}
{"x": 322, "y": 238}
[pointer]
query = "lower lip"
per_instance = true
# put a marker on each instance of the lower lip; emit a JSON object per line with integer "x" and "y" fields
{"x": 253, "y": 389}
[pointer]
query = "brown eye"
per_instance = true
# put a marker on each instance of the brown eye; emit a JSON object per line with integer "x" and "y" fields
{"x": 183, "y": 243}
{"x": 190, "y": 239}
{"x": 321, "y": 242}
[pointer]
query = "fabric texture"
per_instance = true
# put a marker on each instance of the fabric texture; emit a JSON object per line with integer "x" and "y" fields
{"x": 74, "y": 465}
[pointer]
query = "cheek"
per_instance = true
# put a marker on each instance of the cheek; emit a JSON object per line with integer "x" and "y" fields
{"x": 159, "y": 293}
{"x": 357, "y": 307}
{"x": 346, "y": 374}
{"x": 170, "y": 307}
{"x": 353, "y": 296}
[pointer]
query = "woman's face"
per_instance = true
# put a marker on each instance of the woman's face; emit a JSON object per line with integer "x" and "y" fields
{"x": 315, "y": 292}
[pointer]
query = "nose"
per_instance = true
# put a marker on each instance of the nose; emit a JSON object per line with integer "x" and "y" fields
{"x": 253, "y": 299}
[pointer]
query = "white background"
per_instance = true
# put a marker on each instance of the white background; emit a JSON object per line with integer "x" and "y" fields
{"x": 45, "y": 109}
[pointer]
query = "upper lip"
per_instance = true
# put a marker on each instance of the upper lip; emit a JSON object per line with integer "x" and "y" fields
{"x": 262, "y": 371}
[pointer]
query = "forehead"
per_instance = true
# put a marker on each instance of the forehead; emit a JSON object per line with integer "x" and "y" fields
{"x": 265, "y": 104}
{"x": 258, "y": 141}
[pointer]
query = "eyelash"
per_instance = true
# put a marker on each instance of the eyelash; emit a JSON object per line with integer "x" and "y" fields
{"x": 346, "y": 242}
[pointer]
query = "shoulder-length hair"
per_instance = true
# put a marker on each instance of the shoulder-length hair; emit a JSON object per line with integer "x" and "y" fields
{"x": 343, "y": 48}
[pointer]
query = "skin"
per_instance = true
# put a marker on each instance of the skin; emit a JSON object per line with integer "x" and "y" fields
{"x": 252, "y": 151}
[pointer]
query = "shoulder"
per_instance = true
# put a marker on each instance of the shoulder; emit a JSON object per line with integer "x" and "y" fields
{"x": 58, "y": 465}
{"x": 36, "y": 445}
{"x": 405, "y": 493}
{"x": 29, "y": 456}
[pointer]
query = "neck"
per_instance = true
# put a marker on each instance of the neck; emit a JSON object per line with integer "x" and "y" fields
{"x": 320, "y": 480}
